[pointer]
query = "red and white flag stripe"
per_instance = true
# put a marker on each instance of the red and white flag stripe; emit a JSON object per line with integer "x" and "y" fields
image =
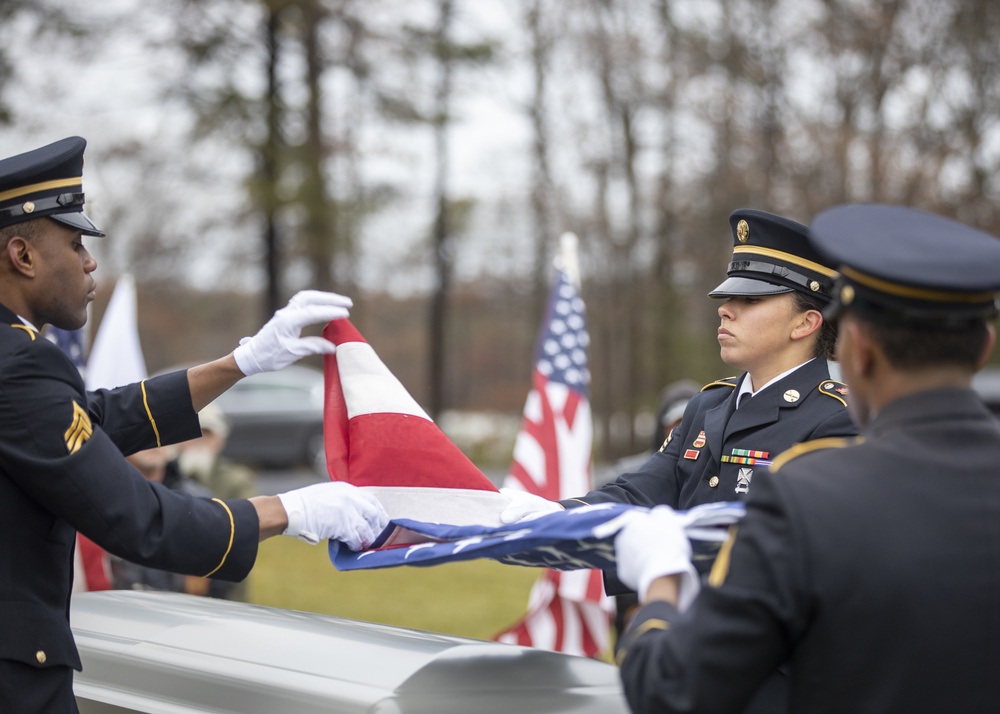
{"x": 378, "y": 437}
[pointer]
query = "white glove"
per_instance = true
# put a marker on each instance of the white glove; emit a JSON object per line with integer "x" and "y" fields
{"x": 335, "y": 510}
{"x": 278, "y": 343}
{"x": 652, "y": 544}
{"x": 523, "y": 506}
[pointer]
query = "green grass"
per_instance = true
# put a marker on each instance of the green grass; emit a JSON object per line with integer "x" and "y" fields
{"x": 477, "y": 598}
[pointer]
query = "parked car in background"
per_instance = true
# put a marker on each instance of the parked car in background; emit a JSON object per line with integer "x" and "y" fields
{"x": 276, "y": 419}
{"x": 987, "y": 384}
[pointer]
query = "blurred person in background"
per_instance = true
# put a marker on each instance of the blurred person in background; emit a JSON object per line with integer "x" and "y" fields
{"x": 673, "y": 401}
{"x": 126, "y": 575}
{"x": 670, "y": 407}
{"x": 201, "y": 459}
{"x": 161, "y": 465}
{"x": 200, "y": 462}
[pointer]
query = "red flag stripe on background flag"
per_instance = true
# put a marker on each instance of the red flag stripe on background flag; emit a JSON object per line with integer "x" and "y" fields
{"x": 559, "y": 622}
{"x": 567, "y": 611}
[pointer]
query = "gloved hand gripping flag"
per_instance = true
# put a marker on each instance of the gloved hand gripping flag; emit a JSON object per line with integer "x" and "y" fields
{"x": 442, "y": 508}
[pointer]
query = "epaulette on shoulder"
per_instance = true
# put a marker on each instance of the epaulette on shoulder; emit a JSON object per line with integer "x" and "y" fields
{"x": 724, "y": 382}
{"x": 836, "y": 390}
{"x": 24, "y": 329}
{"x": 807, "y": 447}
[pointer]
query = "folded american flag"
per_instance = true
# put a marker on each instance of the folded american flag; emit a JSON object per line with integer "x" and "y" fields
{"x": 574, "y": 539}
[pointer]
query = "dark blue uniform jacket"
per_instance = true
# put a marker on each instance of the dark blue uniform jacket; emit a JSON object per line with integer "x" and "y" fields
{"x": 715, "y": 451}
{"x": 62, "y": 471}
{"x": 873, "y": 569}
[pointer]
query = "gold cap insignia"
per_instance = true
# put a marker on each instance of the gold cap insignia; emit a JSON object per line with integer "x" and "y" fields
{"x": 846, "y": 295}
{"x": 28, "y": 207}
{"x": 814, "y": 286}
{"x": 742, "y": 231}
{"x": 80, "y": 429}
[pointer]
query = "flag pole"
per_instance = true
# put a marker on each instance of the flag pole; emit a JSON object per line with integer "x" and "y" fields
{"x": 569, "y": 259}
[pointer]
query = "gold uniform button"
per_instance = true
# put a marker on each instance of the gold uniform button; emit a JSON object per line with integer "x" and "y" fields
{"x": 40, "y": 656}
{"x": 713, "y": 482}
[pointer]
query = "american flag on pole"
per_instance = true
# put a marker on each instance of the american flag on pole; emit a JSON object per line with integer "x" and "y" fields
{"x": 567, "y": 610}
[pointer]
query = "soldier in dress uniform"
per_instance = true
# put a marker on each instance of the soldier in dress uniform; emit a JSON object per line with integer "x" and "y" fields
{"x": 62, "y": 467}
{"x": 870, "y": 564}
{"x": 772, "y": 329}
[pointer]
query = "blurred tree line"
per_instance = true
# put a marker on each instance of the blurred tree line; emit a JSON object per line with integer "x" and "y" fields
{"x": 312, "y": 144}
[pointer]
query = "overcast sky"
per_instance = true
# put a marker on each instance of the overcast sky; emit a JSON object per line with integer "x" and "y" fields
{"x": 108, "y": 90}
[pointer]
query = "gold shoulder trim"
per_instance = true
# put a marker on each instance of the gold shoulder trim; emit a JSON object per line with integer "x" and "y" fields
{"x": 831, "y": 442}
{"x": 19, "y": 326}
{"x": 720, "y": 568}
{"x": 724, "y": 382}
{"x": 232, "y": 535}
{"x": 652, "y": 624}
{"x": 835, "y": 389}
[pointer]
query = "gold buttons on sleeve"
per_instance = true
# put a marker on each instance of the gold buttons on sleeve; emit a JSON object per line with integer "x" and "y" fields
{"x": 713, "y": 482}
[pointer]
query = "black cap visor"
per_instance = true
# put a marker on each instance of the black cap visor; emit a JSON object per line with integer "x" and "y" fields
{"x": 79, "y": 221}
{"x": 741, "y": 287}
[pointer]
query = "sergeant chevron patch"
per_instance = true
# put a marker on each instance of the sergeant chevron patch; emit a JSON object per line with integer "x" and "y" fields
{"x": 80, "y": 429}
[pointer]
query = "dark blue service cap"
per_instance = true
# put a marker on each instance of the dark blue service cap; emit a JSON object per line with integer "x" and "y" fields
{"x": 903, "y": 266}
{"x": 46, "y": 182}
{"x": 772, "y": 255}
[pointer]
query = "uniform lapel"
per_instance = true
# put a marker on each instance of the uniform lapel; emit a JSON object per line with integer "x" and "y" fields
{"x": 766, "y": 407}
{"x": 762, "y": 409}
{"x": 716, "y": 419}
